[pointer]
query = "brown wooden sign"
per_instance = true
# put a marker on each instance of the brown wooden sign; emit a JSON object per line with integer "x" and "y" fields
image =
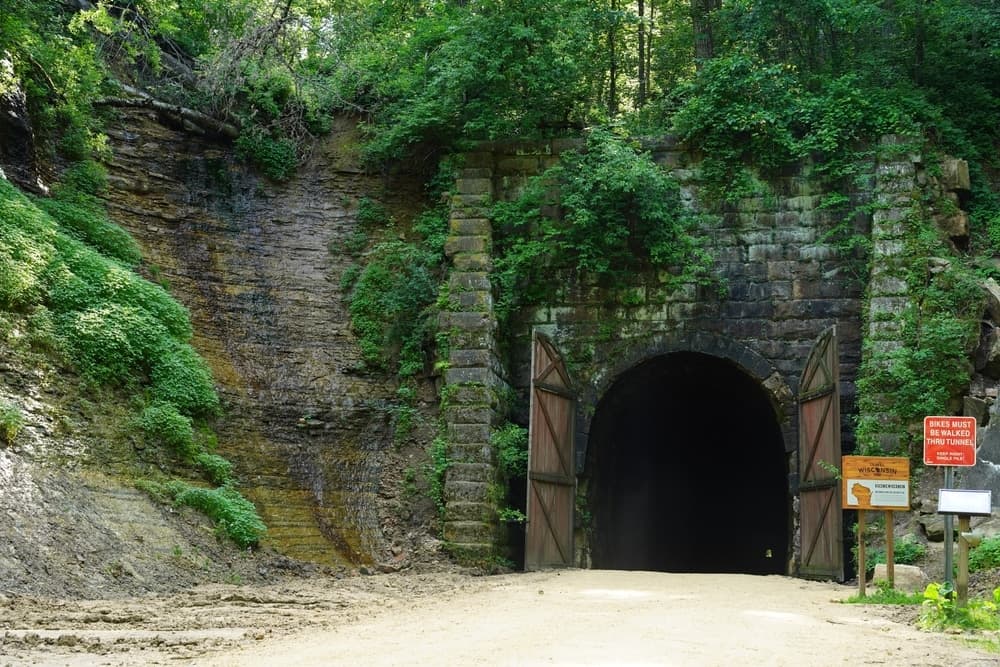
{"x": 875, "y": 482}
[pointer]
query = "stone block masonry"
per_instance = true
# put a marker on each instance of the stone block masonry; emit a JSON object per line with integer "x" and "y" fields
{"x": 781, "y": 281}
{"x": 473, "y": 380}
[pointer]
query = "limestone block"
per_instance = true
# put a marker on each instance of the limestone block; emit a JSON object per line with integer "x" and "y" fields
{"x": 466, "y": 244}
{"x": 906, "y": 578}
{"x": 474, "y": 186}
{"x": 471, "y": 472}
{"x": 955, "y": 174}
{"x": 888, "y": 285}
{"x": 468, "y": 375}
{"x": 472, "y": 261}
{"x": 884, "y": 247}
{"x": 463, "y": 491}
{"x": 470, "y": 227}
{"x": 518, "y": 165}
{"x": 465, "y": 511}
{"x": 765, "y": 251}
{"x": 476, "y": 414}
{"x": 992, "y": 290}
{"x": 468, "y": 532}
{"x": 476, "y": 172}
{"x": 977, "y": 408}
{"x": 955, "y": 225}
{"x": 469, "y": 280}
{"x": 474, "y": 453}
{"x": 987, "y": 358}
{"x": 818, "y": 252}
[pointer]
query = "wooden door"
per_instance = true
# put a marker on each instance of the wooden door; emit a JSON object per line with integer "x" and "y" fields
{"x": 551, "y": 475}
{"x": 820, "y": 517}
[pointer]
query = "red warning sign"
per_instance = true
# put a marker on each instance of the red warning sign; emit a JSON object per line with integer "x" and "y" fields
{"x": 950, "y": 441}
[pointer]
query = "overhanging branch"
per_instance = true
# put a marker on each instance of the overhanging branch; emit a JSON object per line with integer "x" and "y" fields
{"x": 141, "y": 99}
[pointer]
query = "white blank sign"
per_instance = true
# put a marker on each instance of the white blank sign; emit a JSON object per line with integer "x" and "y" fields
{"x": 962, "y": 501}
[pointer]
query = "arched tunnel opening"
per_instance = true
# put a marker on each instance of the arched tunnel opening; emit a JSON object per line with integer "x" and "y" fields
{"x": 687, "y": 471}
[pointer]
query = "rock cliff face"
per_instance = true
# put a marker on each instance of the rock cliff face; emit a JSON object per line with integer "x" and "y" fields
{"x": 259, "y": 265}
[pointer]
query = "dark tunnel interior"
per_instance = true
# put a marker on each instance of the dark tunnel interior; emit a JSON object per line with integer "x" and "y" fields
{"x": 687, "y": 471}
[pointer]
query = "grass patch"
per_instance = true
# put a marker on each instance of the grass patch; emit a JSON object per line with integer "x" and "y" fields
{"x": 883, "y": 594}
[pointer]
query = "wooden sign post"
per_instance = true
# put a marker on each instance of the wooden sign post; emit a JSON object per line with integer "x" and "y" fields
{"x": 965, "y": 504}
{"x": 875, "y": 483}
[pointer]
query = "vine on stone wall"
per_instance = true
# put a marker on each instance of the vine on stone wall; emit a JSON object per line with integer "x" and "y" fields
{"x": 604, "y": 213}
{"x": 928, "y": 372}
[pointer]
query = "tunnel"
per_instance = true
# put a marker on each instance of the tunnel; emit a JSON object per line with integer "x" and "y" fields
{"x": 686, "y": 471}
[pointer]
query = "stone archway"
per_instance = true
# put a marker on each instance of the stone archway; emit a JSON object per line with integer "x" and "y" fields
{"x": 687, "y": 461}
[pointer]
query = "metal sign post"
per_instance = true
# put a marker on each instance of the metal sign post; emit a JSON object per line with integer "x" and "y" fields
{"x": 949, "y": 533}
{"x": 948, "y": 442}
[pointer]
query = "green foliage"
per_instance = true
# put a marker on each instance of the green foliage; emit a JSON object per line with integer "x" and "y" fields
{"x": 276, "y": 156}
{"x": 234, "y": 515}
{"x": 441, "y": 73}
{"x": 163, "y": 424}
{"x": 218, "y": 469}
{"x": 939, "y": 327}
{"x": 906, "y": 551}
{"x": 371, "y": 214}
{"x": 11, "y": 422}
{"x": 620, "y": 213}
{"x": 986, "y": 556}
{"x": 178, "y": 375}
{"x": 389, "y": 306}
{"x": 940, "y": 611}
{"x": 510, "y": 446}
{"x": 884, "y": 594}
{"x": 436, "y": 472}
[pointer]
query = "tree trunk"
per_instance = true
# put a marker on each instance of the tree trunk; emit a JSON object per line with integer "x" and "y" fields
{"x": 641, "y": 98}
{"x": 701, "y": 20}
{"x": 649, "y": 49}
{"x": 142, "y": 99}
{"x": 613, "y": 64}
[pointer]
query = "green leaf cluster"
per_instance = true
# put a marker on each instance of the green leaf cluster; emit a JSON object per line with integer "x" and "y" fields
{"x": 940, "y": 611}
{"x": 234, "y": 515}
{"x": 618, "y": 213}
{"x": 986, "y": 555}
{"x": 939, "y": 328}
{"x": 11, "y": 422}
{"x": 510, "y": 446}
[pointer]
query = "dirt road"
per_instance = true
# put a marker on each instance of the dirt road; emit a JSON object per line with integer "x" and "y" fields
{"x": 579, "y": 617}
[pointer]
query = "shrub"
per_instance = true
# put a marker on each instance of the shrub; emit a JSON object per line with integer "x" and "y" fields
{"x": 510, "y": 444}
{"x": 218, "y": 469}
{"x": 233, "y": 514}
{"x": 276, "y": 157}
{"x": 181, "y": 377}
{"x": 390, "y": 306}
{"x": 162, "y": 423}
{"x": 109, "y": 343}
{"x": 986, "y": 556}
{"x": 906, "y": 551}
{"x": 620, "y": 213}
{"x": 941, "y": 611}
{"x": 11, "y": 422}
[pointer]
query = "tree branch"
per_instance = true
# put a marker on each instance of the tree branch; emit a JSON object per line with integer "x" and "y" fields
{"x": 143, "y": 100}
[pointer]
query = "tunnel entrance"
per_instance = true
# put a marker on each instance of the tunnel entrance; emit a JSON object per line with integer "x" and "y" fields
{"x": 687, "y": 471}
